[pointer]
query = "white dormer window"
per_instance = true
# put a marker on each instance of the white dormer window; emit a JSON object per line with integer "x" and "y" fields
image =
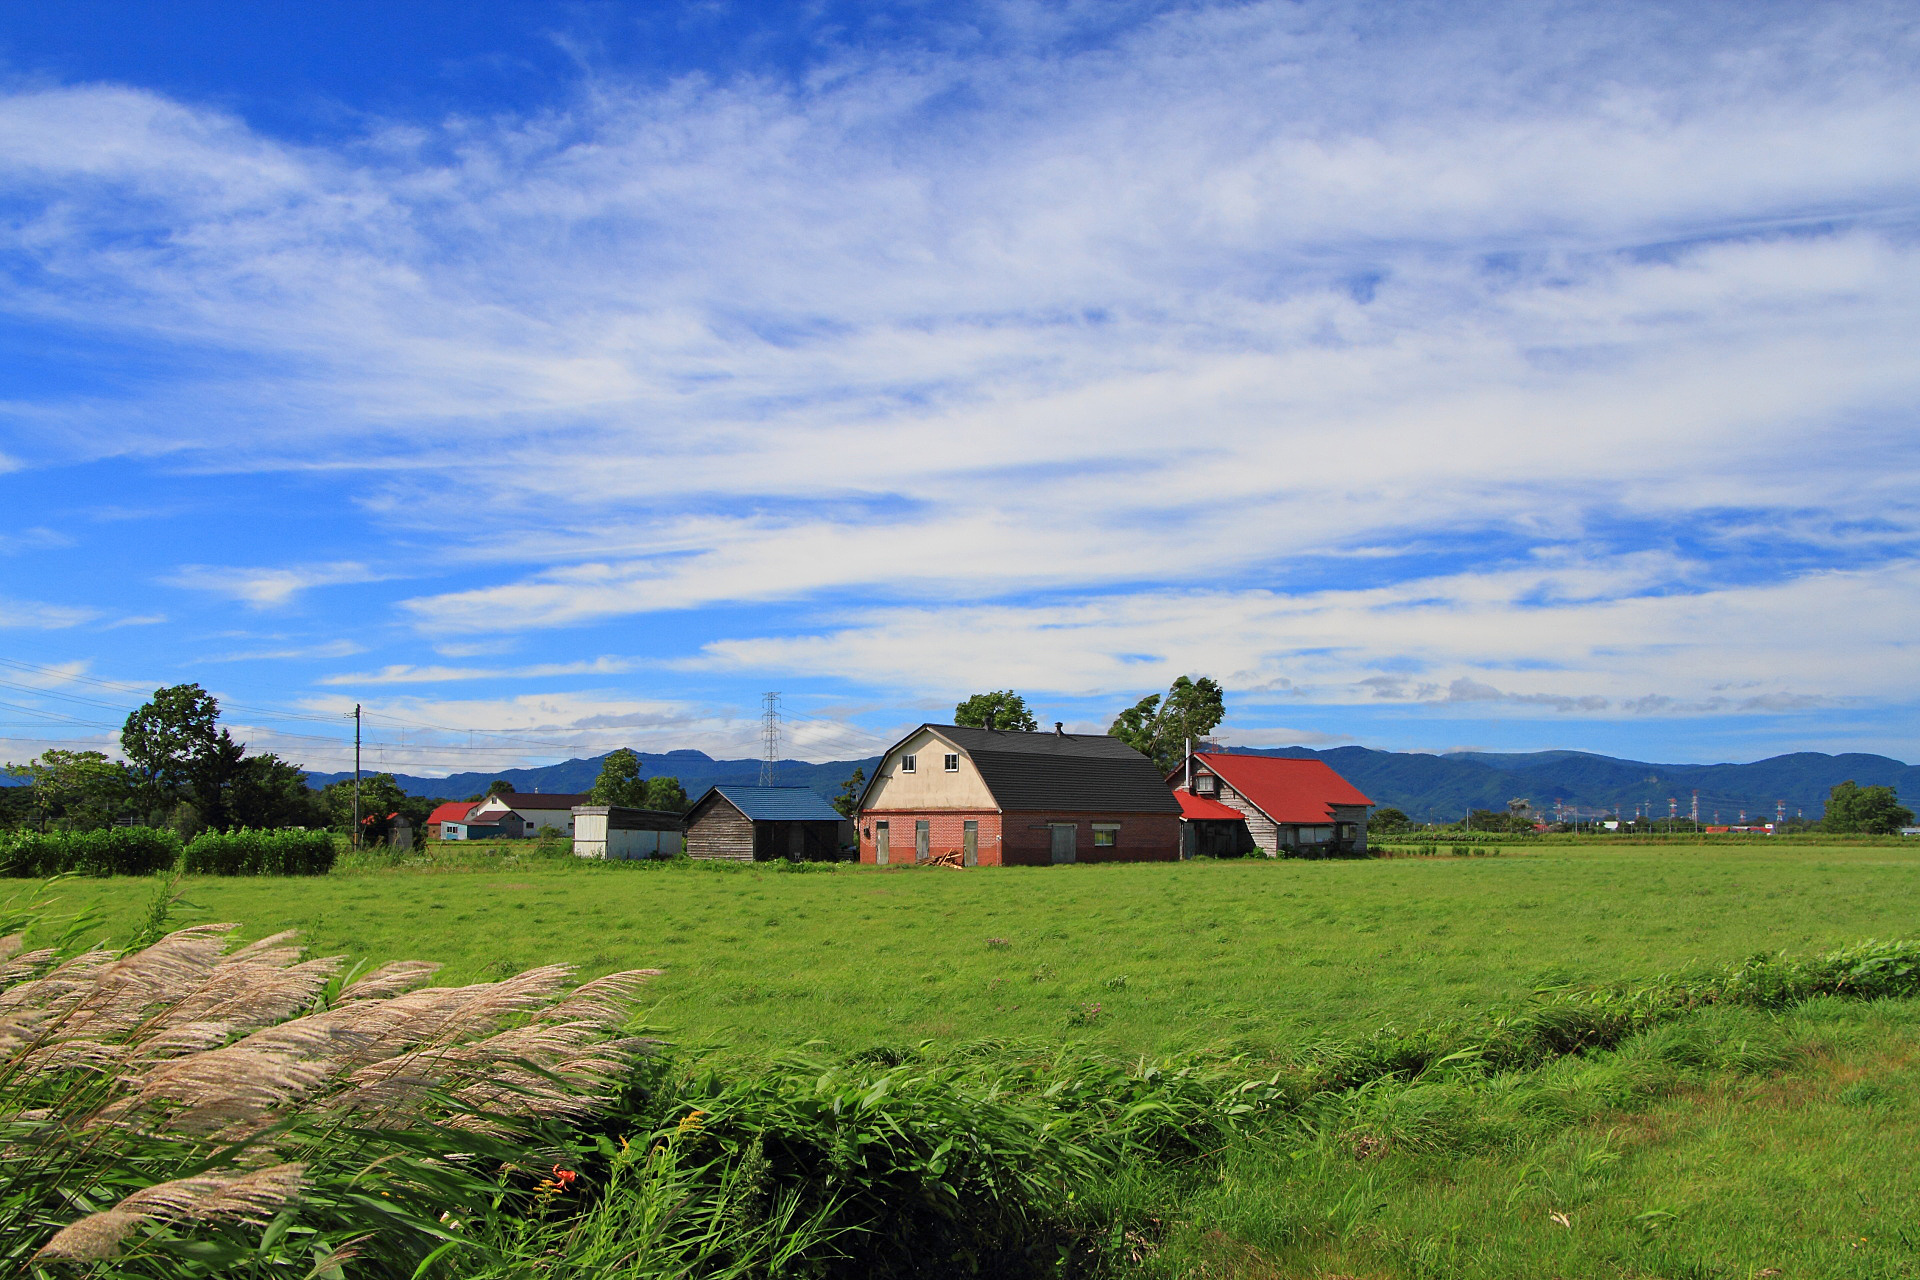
{"x": 1205, "y": 784}
{"x": 909, "y": 763}
{"x": 953, "y": 763}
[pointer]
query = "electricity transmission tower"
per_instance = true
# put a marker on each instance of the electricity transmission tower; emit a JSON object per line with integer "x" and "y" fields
{"x": 769, "y": 738}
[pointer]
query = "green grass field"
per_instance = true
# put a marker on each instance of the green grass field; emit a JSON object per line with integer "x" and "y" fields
{"x": 1252, "y": 954}
{"x": 1732, "y": 1143}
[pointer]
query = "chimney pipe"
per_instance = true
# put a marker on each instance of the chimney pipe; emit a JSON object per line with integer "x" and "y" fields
{"x": 992, "y": 714}
{"x": 1059, "y": 728}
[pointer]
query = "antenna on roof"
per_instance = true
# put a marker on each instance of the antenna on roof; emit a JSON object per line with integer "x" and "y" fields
{"x": 769, "y": 737}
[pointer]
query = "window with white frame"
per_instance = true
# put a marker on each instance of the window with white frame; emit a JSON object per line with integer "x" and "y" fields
{"x": 1106, "y": 835}
{"x": 1205, "y": 784}
{"x": 909, "y": 764}
{"x": 953, "y": 763}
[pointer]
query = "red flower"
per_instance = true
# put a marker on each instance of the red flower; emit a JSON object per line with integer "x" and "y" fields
{"x": 564, "y": 1178}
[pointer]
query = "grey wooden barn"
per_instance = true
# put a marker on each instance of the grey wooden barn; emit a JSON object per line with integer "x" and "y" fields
{"x": 760, "y": 824}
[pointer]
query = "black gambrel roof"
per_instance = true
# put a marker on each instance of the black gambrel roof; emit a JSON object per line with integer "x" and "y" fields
{"x": 1072, "y": 771}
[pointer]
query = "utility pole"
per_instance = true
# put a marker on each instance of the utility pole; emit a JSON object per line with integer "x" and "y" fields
{"x": 769, "y": 738}
{"x": 356, "y": 775}
{"x": 1695, "y": 815}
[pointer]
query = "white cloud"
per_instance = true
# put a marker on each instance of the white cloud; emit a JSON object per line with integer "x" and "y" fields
{"x": 1144, "y": 326}
{"x": 293, "y": 653}
{"x": 268, "y": 588}
{"x": 408, "y": 674}
{"x": 1578, "y": 639}
{"x": 36, "y": 615}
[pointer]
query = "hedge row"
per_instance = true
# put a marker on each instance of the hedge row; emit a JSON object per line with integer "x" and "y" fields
{"x": 290, "y": 852}
{"x": 116, "y": 851}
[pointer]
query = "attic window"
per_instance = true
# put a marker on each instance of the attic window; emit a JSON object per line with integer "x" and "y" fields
{"x": 908, "y": 763}
{"x": 953, "y": 763}
{"x": 1205, "y": 784}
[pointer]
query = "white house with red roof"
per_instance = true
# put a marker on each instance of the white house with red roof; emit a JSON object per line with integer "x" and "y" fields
{"x": 1233, "y": 804}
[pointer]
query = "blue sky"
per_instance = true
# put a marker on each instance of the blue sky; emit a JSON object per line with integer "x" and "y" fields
{"x": 553, "y": 377}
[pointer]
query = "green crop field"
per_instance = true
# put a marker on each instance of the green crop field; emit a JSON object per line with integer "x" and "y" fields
{"x": 1728, "y": 1142}
{"x": 1253, "y": 953}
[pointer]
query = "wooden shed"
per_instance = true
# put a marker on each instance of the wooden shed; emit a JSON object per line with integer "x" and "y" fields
{"x": 760, "y": 824}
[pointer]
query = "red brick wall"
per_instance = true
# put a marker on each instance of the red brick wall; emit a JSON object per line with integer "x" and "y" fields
{"x": 945, "y": 831}
{"x": 1025, "y": 838}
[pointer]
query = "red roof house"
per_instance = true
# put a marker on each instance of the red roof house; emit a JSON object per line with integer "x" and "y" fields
{"x": 1281, "y": 806}
{"x": 452, "y": 811}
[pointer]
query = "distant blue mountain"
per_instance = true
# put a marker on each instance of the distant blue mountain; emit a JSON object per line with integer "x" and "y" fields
{"x": 696, "y": 770}
{"x": 1427, "y": 787}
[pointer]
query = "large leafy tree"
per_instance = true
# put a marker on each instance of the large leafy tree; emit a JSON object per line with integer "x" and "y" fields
{"x": 1854, "y": 809}
{"x": 620, "y": 781}
{"x": 1008, "y": 709}
{"x": 1160, "y": 726}
{"x": 172, "y": 742}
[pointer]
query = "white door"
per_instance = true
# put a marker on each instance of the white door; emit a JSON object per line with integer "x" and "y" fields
{"x": 1066, "y": 841}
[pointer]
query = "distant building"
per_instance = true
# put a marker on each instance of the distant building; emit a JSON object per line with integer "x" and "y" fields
{"x": 761, "y": 824}
{"x": 500, "y": 825}
{"x": 452, "y": 811}
{"x": 536, "y": 811}
{"x": 992, "y": 797}
{"x": 614, "y": 831}
{"x": 1283, "y": 807}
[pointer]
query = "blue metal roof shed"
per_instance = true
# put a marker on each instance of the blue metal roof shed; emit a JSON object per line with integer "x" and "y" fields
{"x": 760, "y": 823}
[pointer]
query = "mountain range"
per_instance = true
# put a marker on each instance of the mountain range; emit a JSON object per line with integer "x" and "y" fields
{"x": 1426, "y": 787}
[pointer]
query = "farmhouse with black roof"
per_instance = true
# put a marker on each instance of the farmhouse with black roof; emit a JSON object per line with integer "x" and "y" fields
{"x": 989, "y": 797}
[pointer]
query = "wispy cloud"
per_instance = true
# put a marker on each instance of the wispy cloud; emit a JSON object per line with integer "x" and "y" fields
{"x": 36, "y": 615}
{"x": 405, "y": 674}
{"x": 268, "y": 588}
{"x": 293, "y": 653}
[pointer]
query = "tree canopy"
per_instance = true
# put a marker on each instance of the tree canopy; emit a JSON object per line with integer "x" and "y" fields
{"x": 620, "y": 782}
{"x": 1854, "y": 809}
{"x": 1160, "y": 726}
{"x": 1009, "y": 711}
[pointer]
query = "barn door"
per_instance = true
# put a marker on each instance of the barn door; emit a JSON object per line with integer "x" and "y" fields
{"x": 970, "y": 844}
{"x": 922, "y": 840}
{"x": 1066, "y": 841}
{"x": 880, "y": 843}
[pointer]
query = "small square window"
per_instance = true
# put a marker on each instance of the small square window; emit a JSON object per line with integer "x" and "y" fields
{"x": 953, "y": 763}
{"x": 908, "y": 763}
{"x": 1105, "y": 836}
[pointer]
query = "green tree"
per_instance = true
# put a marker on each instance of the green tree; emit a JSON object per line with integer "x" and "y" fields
{"x": 1387, "y": 820}
{"x": 172, "y": 739}
{"x": 666, "y": 794}
{"x": 620, "y": 782}
{"x": 1008, "y": 709}
{"x": 265, "y": 791}
{"x": 1854, "y": 809}
{"x": 847, "y": 802}
{"x": 75, "y": 790}
{"x": 1159, "y": 727}
{"x": 501, "y": 787}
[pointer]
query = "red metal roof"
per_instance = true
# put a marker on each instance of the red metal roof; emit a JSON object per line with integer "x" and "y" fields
{"x": 452, "y": 811}
{"x": 1193, "y": 806}
{"x": 1284, "y": 789}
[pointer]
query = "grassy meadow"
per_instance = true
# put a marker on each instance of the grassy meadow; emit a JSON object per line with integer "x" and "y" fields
{"x": 1742, "y": 1140}
{"x": 1249, "y": 954}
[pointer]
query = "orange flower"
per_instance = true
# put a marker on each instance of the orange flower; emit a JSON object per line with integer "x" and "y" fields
{"x": 563, "y": 1179}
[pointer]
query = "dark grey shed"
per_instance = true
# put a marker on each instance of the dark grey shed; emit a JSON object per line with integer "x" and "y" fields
{"x": 760, "y": 824}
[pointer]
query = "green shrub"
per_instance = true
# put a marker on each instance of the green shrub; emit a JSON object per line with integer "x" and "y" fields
{"x": 115, "y": 851}
{"x": 288, "y": 852}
